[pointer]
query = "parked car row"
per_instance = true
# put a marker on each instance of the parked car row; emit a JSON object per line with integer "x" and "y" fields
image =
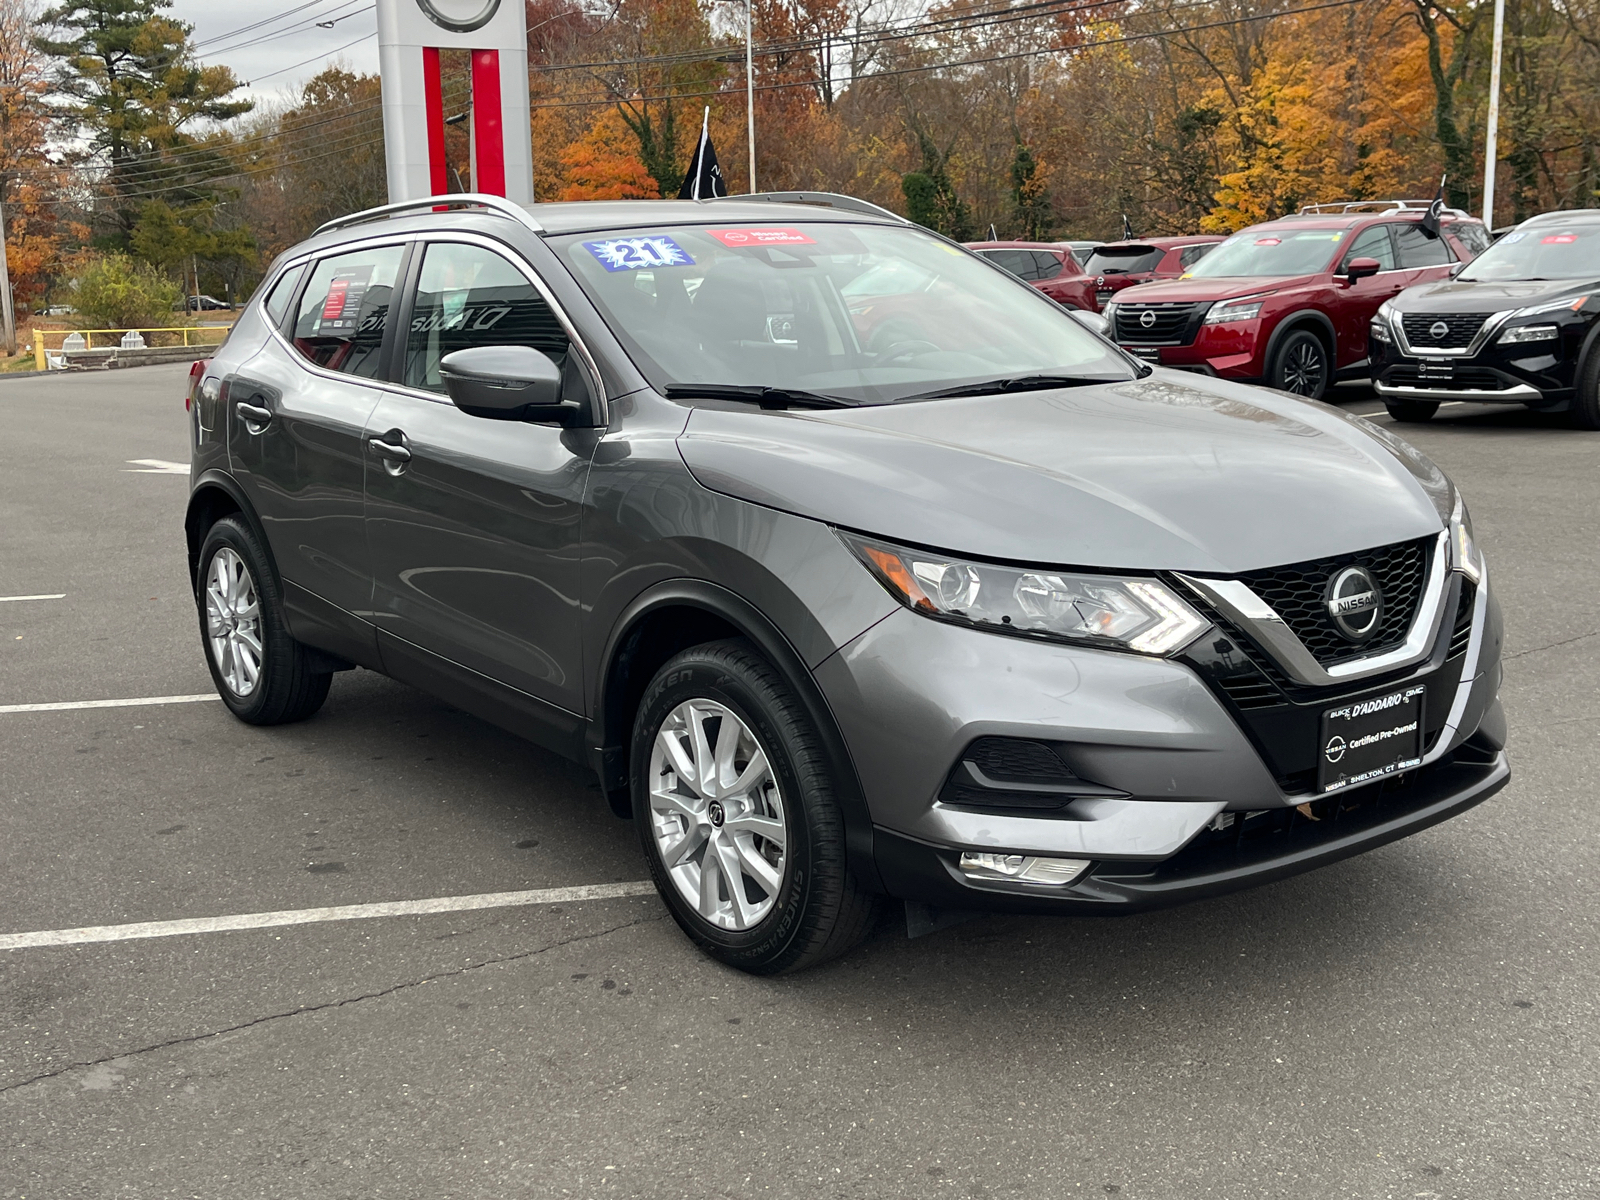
{"x": 1086, "y": 275}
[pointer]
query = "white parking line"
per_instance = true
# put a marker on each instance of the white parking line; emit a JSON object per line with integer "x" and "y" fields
{"x": 312, "y": 916}
{"x": 64, "y": 705}
{"x": 55, "y": 596}
{"x": 155, "y": 466}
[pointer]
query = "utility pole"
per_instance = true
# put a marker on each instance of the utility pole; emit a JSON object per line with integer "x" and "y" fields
{"x": 1491, "y": 149}
{"x": 750, "y": 91}
{"x": 8, "y": 317}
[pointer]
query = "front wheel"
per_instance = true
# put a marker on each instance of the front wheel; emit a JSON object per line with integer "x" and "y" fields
{"x": 1301, "y": 365}
{"x": 738, "y": 813}
{"x": 264, "y": 676}
{"x": 1412, "y": 411}
{"x": 1584, "y": 412}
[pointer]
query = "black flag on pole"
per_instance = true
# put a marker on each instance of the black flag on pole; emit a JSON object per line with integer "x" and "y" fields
{"x": 1430, "y": 220}
{"x": 704, "y": 179}
{"x": 1127, "y": 228}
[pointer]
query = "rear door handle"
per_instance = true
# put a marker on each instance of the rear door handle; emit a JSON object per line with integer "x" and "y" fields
{"x": 389, "y": 450}
{"x": 255, "y": 419}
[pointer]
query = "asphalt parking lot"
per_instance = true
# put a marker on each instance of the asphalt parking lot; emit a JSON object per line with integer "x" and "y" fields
{"x": 1420, "y": 1022}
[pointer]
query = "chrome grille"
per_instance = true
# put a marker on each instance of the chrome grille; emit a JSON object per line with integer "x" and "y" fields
{"x": 1168, "y": 324}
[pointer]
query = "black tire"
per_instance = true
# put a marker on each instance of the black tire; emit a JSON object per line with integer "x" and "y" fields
{"x": 1300, "y": 365}
{"x": 1583, "y": 411}
{"x": 286, "y": 687}
{"x": 1412, "y": 411}
{"x": 818, "y": 910}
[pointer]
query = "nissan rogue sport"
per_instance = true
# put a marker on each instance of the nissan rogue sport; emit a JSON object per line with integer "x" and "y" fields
{"x": 964, "y": 607}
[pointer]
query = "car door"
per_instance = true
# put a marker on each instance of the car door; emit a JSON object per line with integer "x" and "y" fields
{"x": 473, "y": 523}
{"x": 296, "y": 416}
{"x": 1355, "y": 302}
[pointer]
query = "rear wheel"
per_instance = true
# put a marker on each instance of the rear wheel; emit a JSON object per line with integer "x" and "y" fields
{"x": 738, "y": 813}
{"x": 1412, "y": 410}
{"x": 263, "y": 675}
{"x": 1300, "y": 365}
{"x": 1584, "y": 412}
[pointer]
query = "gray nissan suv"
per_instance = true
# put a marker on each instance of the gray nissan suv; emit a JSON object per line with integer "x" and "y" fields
{"x": 854, "y": 567}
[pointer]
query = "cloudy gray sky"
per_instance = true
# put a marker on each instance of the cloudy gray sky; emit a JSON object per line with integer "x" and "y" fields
{"x": 276, "y": 45}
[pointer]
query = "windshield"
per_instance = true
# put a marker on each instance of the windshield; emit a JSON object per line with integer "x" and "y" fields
{"x": 1270, "y": 252}
{"x": 1123, "y": 260}
{"x": 866, "y": 313}
{"x": 1550, "y": 252}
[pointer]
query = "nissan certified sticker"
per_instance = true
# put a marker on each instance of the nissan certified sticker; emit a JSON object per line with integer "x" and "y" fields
{"x": 771, "y": 236}
{"x": 639, "y": 253}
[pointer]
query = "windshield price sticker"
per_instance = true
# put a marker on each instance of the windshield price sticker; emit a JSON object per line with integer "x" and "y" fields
{"x": 639, "y": 253}
{"x": 770, "y": 236}
{"x": 1269, "y": 241}
{"x": 1370, "y": 739}
{"x": 1513, "y": 238}
{"x": 1559, "y": 239}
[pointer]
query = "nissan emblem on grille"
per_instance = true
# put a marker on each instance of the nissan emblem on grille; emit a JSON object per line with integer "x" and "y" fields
{"x": 1438, "y": 329}
{"x": 1355, "y": 605}
{"x": 1147, "y": 318}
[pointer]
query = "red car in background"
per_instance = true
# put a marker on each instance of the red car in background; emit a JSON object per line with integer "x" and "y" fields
{"x": 1288, "y": 302}
{"x": 1118, "y": 265}
{"x": 1048, "y": 266}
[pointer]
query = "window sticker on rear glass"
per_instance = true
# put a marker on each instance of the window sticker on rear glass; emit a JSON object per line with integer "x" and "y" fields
{"x": 343, "y": 303}
{"x": 770, "y": 236}
{"x": 639, "y": 253}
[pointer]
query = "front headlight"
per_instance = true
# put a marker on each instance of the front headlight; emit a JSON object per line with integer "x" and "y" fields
{"x": 1380, "y": 332}
{"x": 1529, "y": 333}
{"x": 1234, "y": 310}
{"x": 1143, "y": 615}
{"x": 1464, "y": 556}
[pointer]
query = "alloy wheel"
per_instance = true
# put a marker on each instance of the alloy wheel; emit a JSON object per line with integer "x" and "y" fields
{"x": 716, "y": 814}
{"x": 233, "y": 622}
{"x": 1303, "y": 369}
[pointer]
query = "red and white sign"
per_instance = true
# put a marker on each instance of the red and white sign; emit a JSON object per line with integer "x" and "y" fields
{"x": 1559, "y": 239}
{"x": 771, "y": 235}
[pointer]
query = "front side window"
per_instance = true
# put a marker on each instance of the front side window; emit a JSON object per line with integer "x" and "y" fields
{"x": 1417, "y": 249}
{"x": 344, "y": 309}
{"x": 866, "y": 314}
{"x": 1269, "y": 251}
{"x": 1372, "y": 242}
{"x": 1569, "y": 251}
{"x": 470, "y": 296}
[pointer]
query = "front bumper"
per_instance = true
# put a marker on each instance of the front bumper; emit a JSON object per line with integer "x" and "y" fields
{"x": 1232, "y": 350}
{"x": 1188, "y": 782}
{"x": 1495, "y": 375}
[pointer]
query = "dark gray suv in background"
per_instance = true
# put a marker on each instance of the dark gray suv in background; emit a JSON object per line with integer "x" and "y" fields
{"x": 852, "y": 565}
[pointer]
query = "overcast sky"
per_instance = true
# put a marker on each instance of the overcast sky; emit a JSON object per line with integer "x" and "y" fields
{"x": 286, "y": 46}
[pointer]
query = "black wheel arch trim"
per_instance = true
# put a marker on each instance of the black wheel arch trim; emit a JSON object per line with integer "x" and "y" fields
{"x": 1304, "y": 318}
{"x": 609, "y": 747}
{"x": 221, "y": 481}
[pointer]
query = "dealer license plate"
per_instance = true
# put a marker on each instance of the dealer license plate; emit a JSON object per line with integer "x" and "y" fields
{"x": 1368, "y": 739}
{"x": 1149, "y": 353}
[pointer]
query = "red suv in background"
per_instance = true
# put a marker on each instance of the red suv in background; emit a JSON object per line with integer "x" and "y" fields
{"x": 1288, "y": 302}
{"x": 1048, "y": 266}
{"x": 1118, "y": 265}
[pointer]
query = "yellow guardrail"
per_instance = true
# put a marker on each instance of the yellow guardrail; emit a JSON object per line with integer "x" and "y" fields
{"x": 40, "y": 363}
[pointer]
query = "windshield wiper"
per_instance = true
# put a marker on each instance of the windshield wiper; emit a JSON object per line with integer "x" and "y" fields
{"x": 1011, "y": 383}
{"x": 766, "y": 397}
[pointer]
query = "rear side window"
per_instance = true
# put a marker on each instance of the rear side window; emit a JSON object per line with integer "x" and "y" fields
{"x": 1123, "y": 260}
{"x": 344, "y": 309}
{"x": 469, "y": 296}
{"x": 1417, "y": 249}
{"x": 1373, "y": 242}
{"x": 277, "y": 304}
{"x": 1019, "y": 262}
{"x": 1047, "y": 265}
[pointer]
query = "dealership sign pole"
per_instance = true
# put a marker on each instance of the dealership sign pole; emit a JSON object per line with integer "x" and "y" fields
{"x": 1491, "y": 149}
{"x": 411, "y": 33}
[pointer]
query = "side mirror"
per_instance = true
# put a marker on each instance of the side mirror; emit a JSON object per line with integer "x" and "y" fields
{"x": 1092, "y": 321}
{"x": 506, "y": 383}
{"x": 1360, "y": 268}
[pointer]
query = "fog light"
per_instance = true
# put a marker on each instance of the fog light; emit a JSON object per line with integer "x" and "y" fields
{"x": 1028, "y": 868}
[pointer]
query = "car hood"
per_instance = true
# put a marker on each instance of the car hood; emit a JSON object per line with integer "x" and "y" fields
{"x": 1166, "y": 291}
{"x": 1461, "y": 296}
{"x": 1168, "y": 472}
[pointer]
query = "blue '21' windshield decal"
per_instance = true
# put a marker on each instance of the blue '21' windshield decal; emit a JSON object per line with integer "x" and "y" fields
{"x": 639, "y": 253}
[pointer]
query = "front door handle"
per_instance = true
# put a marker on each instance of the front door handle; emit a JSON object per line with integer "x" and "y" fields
{"x": 389, "y": 450}
{"x": 255, "y": 419}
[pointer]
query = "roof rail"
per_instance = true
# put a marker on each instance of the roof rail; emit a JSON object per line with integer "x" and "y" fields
{"x": 495, "y": 204}
{"x": 823, "y": 199}
{"x": 1339, "y": 207}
